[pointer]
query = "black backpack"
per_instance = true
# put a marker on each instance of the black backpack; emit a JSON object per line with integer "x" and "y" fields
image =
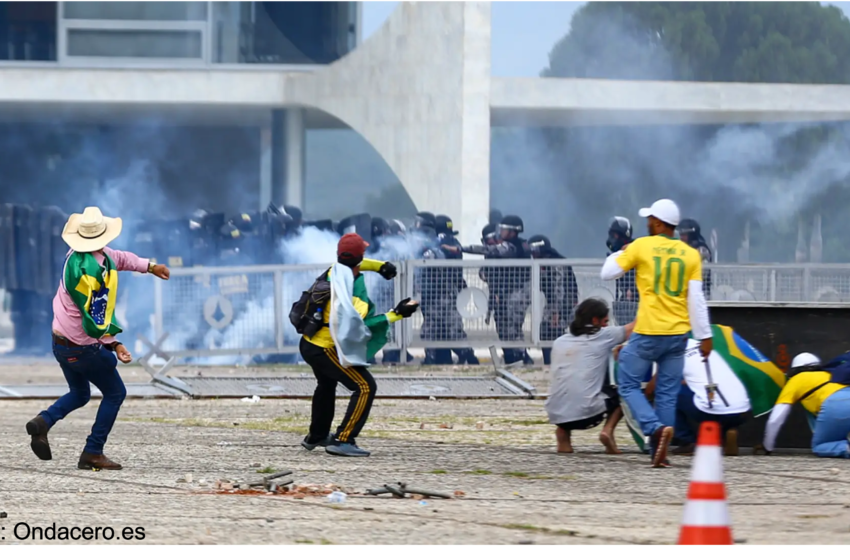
{"x": 302, "y": 314}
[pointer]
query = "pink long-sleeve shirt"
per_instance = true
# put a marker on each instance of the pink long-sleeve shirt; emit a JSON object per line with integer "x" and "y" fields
{"x": 67, "y": 320}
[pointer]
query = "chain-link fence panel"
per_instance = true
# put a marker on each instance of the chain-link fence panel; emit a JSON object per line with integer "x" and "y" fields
{"x": 470, "y": 304}
{"x": 219, "y": 312}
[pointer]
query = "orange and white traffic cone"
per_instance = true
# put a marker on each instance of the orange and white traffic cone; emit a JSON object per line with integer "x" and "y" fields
{"x": 706, "y": 518}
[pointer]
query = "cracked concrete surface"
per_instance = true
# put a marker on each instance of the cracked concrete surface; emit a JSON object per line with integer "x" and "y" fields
{"x": 500, "y": 453}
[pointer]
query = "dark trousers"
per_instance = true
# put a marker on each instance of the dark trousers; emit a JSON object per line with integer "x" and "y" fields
{"x": 689, "y": 416}
{"x": 329, "y": 372}
{"x": 81, "y": 366}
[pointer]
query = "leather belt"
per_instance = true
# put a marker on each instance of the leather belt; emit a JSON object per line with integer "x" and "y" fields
{"x": 62, "y": 341}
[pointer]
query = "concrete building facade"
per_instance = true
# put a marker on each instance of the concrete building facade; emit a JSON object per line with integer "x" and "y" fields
{"x": 419, "y": 90}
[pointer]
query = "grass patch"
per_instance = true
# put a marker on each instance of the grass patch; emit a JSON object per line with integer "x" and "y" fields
{"x": 267, "y": 470}
{"x": 439, "y": 471}
{"x": 325, "y": 541}
{"x": 480, "y": 472}
{"x": 304, "y": 541}
{"x": 516, "y": 474}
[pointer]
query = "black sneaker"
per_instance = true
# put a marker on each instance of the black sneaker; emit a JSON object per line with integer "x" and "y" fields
{"x": 310, "y": 446}
{"x": 659, "y": 443}
{"x": 343, "y": 449}
{"x": 37, "y": 429}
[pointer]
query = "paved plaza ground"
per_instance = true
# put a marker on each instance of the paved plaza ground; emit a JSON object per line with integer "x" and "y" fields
{"x": 497, "y": 456}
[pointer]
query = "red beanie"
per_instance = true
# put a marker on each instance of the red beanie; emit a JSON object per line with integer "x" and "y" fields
{"x": 351, "y": 247}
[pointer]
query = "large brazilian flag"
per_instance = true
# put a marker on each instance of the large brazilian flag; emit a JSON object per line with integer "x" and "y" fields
{"x": 761, "y": 378}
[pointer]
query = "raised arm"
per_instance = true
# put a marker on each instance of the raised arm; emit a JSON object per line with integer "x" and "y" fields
{"x": 125, "y": 260}
{"x": 619, "y": 263}
{"x": 698, "y": 308}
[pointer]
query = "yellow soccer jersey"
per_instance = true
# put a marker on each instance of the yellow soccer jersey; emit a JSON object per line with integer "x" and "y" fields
{"x": 663, "y": 268}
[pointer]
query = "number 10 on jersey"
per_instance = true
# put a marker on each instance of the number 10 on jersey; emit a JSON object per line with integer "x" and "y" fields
{"x": 669, "y": 273}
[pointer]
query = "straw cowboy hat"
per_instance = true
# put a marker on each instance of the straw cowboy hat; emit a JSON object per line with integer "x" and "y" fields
{"x": 90, "y": 231}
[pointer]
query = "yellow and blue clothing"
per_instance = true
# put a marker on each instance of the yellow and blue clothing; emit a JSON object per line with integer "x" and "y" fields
{"x": 377, "y": 324}
{"x": 828, "y": 410}
{"x": 663, "y": 269}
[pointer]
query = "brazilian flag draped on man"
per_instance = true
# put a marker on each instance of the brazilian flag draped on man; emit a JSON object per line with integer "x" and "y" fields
{"x": 761, "y": 378}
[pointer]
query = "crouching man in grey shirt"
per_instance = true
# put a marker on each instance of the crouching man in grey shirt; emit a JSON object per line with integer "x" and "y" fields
{"x": 580, "y": 397}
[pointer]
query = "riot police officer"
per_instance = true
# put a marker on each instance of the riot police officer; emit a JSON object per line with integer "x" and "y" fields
{"x": 626, "y": 297}
{"x": 689, "y": 232}
{"x": 429, "y": 282}
{"x": 449, "y": 283}
{"x": 558, "y": 284}
{"x": 380, "y": 229}
{"x": 395, "y": 237}
{"x": 510, "y": 285}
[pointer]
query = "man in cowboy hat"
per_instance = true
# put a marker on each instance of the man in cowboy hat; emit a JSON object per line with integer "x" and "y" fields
{"x": 84, "y": 330}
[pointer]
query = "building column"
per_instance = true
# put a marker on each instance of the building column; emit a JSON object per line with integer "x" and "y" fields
{"x": 288, "y": 139}
{"x": 265, "y": 166}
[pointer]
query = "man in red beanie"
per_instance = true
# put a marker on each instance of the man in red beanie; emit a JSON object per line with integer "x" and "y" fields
{"x": 331, "y": 366}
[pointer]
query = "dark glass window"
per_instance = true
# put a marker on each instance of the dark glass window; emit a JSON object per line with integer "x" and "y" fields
{"x": 140, "y": 11}
{"x": 283, "y": 32}
{"x": 28, "y": 31}
{"x": 134, "y": 44}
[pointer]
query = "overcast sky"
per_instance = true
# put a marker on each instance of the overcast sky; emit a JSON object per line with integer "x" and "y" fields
{"x": 523, "y": 32}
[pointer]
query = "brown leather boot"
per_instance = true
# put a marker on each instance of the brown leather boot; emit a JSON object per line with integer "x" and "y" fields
{"x": 37, "y": 429}
{"x": 92, "y": 462}
{"x": 730, "y": 443}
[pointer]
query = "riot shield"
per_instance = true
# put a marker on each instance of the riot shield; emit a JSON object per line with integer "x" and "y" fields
{"x": 361, "y": 224}
{"x": 58, "y": 248}
{"x": 6, "y": 238}
{"x": 41, "y": 280}
{"x": 24, "y": 248}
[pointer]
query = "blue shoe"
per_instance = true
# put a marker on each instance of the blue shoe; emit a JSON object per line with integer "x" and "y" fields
{"x": 324, "y": 442}
{"x": 346, "y": 450}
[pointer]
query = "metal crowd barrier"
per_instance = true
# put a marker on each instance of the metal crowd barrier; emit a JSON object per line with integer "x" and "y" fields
{"x": 210, "y": 312}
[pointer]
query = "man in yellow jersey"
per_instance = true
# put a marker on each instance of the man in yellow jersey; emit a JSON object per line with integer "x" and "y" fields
{"x": 668, "y": 275}
{"x": 827, "y": 405}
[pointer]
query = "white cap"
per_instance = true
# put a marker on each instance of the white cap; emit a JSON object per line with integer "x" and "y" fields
{"x": 804, "y": 359}
{"x": 664, "y": 209}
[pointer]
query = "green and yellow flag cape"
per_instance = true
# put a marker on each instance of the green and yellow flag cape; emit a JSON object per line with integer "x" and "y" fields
{"x": 93, "y": 289}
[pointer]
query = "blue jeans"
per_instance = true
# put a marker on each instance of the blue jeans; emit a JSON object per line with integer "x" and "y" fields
{"x": 687, "y": 414}
{"x": 635, "y": 366}
{"x": 81, "y": 366}
{"x": 832, "y": 426}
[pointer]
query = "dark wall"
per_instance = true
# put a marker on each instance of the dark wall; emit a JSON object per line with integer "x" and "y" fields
{"x": 781, "y": 333}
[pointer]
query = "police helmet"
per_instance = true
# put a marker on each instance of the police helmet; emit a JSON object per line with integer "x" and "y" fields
{"x": 443, "y": 225}
{"x": 295, "y": 212}
{"x": 199, "y": 216}
{"x": 243, "y": 222}
{"x": 621, "y": 226}
{"x": 488, "y": 233}
{"x": 511, "y": 223}
{"x": 230, "y": 231}
{"x": 539, "y": 244}
{"x": 380, "y": 227}
{"x": 495, "y": 216}
{"x": 619, "y": 233}
{"x": 425, "y": 220}
{"x": 689, "y": 227}
{"x": 397, "y": 228}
